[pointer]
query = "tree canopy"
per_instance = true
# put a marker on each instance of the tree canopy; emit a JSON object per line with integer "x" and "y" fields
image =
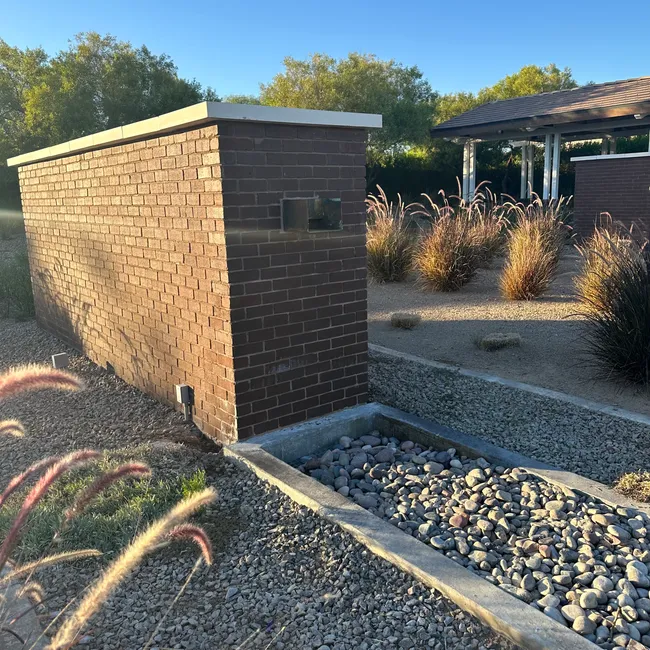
{"x": 359, "y": 83}
{"x": 97, "y": 83}
{"x": 529, "y": 80}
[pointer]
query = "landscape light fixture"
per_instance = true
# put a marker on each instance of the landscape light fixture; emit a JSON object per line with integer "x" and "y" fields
{"x": 185, "y": 396}
{"x": 60, "y": 360}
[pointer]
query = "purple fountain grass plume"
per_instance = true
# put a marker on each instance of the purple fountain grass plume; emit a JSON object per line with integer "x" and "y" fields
{"x": 12, "y": 428}
{"x": 101, "y": 483}
{"x": 130, "y": 557}
{"x": 17, "y": 481}
{"x": 24, "y": 378}
{"x": 65, "y": 464}
{"x": 198, "y": 536}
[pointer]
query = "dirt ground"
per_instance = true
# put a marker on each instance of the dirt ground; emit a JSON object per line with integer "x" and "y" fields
{"x": 552, "y": 353}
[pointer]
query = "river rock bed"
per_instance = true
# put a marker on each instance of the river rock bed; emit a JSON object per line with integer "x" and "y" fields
{"x": 583, "y": 563}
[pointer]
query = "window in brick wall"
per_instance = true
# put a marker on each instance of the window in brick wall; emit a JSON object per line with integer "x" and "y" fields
{"x": 311, "y": 215}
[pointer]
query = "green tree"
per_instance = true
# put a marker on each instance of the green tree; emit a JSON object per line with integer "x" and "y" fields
{"x": 530, "y": 80}
{"x": 97, "y": 83}
{"x": 242, "y": 99}
{"x": 359, "y": 83}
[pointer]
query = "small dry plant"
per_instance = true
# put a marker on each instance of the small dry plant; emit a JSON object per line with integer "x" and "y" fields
{"x": 43, "y": 476}
{"x": 635, "y": 485}
{"x": 404, "y": 320}
{"x": 390, "y": 242}
{"x": 534, "y": 248}
{"x": 498, "y": 341}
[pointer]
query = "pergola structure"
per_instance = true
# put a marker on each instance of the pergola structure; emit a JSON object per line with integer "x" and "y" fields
{"x": 607, "y": 111}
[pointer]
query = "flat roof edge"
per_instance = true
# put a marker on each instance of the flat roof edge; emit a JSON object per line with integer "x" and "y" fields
{"x": 205, "y": 112}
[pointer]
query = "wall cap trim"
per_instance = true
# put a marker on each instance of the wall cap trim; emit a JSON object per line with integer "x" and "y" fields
{"x": 612, "y": 156}
{"x": 197, "y": 115}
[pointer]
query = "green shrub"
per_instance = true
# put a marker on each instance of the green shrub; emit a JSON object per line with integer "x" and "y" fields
{"x": 614, "y": 295}
{"x": 11, "y": 224}
{"x": 16, "y": 286}
{"x": 449, "y": 255}
{"x": 390, "y": 242}
{"x": 534, "y": 248}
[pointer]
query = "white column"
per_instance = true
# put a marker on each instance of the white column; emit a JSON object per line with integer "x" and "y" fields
{"x": 604, "y": 146}
{"x": 548, "y": 142}
{"x": 612, "y": 145}
{"x": 472, "y": 170}
{"x": 524, "y": 171}
{"x": 555, "y": 173}
{"x": 465, "y": 171}
{"x": 531, "y": 170}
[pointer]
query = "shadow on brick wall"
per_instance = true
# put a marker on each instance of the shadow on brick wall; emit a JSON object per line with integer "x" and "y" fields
{"x": 64, "y": 316}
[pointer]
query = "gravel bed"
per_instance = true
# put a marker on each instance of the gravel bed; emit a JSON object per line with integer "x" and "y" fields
{"x": 108, "y": 414}
{"x": 282, "y": 578}
{"x": 581, "y": 562}
{"x": 595, "y": 445}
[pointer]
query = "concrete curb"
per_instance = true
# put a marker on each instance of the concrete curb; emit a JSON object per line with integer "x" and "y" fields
{"x": 596, "y": 407}
{"x": 510, "y": 617}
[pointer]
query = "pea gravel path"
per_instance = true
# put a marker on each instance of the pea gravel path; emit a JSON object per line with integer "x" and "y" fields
{"x": 283, "y": 578}
{"x": 595, "y": 445}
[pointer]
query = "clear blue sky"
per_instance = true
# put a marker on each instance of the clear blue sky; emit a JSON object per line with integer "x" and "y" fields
{"x": 458, "y": 44}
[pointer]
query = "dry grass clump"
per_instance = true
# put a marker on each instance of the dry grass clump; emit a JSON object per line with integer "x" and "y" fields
{"x": 534, "y": 248}
{"x": 448, "y": 256}
{"x": 498, "y": 341}
{"x": 635, "y": 485}
{"x": 614, "y": 295}
{"x": 488, "y": 234}
{"x": 598, "y": 252}
{"x": 405, "y": 321}
{"x": 462, "y": 237}
{"x": 390, "y": 242}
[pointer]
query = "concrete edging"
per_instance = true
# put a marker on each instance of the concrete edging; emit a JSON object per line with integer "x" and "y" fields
{"x": 597, "y": 407}
{"x": 510, "y": 617}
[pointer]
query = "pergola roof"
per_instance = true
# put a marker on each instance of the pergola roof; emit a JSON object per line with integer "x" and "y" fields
{"x": 613, "y": 108}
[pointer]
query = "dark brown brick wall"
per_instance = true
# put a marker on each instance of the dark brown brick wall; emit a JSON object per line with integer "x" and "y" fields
{"x": 164, "y": 258}
{"x": 298, "y": 300}
{"x": 620, "y": 186}
{"x": 128, "y": 259}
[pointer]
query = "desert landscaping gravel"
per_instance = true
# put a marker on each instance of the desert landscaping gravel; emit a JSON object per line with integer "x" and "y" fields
{"x": 282, "y": 577}
{"x": 592, "y": 444}
{"x": 581, "y": 562}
